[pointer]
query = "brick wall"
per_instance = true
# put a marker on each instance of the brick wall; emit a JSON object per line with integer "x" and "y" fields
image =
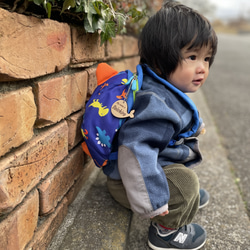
{"x": 47, "y": 71}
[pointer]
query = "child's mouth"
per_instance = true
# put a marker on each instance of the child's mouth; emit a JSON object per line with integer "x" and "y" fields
{"x": 197, "y": 81}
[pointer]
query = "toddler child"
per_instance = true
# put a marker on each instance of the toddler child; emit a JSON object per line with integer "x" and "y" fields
{"x": 159, "y": 146}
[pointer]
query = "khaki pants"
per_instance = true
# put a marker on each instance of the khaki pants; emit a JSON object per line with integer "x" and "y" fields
{"x": 184, "y": 196}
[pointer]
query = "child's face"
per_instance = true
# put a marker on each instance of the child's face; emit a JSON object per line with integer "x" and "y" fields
{"x": 193, "y": 70}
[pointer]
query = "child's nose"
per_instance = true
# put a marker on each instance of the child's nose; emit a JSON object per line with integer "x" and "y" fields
{"x": 201, "y": 68}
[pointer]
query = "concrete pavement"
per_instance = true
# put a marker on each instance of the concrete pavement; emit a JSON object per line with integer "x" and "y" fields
{"x": 95, "y": 221}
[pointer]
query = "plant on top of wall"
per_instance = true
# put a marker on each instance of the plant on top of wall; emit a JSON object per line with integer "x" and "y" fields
{"x": 103, "y": 16}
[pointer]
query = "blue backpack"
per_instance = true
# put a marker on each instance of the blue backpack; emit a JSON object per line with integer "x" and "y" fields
{"x": 107, "y": 109}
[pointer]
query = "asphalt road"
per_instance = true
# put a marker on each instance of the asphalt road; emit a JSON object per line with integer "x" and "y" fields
{"x": 227, "y": 92}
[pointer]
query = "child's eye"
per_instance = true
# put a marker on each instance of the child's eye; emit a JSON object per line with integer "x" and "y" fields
{"x": 207, "y": 59}
{"x": 192, "y": 57}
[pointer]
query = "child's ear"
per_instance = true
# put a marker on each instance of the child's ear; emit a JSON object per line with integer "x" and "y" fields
{"x": 158, "y": 71}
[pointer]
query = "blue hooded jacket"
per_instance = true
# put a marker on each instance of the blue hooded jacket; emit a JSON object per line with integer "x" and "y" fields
{"x": 163, "y": 132}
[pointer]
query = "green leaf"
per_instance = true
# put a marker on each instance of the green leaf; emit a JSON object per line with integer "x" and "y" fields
{"x": 87, "y": 26}
{"x": 108, "y": 32}
{"x": 38, "y": 2}
{"x": 136, "y": 14}
{"x": 97, "y": 24}
{"x": 49, "y": 7}
{"x": 79, "y": 8}
{"x": 67, "y": 4}
{"x": 101, "y": 24}
{"x": 92, "y": 8}
{"x": 90, "y": 11}
{"x": 120, "y": 21}
{"x": 110, "y": 29}
{"x": 98, "y": 6}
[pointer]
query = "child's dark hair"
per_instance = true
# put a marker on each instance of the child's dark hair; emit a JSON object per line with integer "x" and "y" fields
{"x": 173, "y": 27}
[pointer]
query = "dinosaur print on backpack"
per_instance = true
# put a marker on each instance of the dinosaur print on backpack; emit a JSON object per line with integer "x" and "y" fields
{"x": 107, "y": 109}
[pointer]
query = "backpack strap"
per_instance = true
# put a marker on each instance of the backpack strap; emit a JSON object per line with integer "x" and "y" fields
{"x": 104, "y": 72}
{"x": 135, "y": 87}
{"x": 131, "y": 97}
{"x": 139, "y": 75}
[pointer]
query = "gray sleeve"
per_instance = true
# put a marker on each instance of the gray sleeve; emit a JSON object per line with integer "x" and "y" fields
{"x": 134, "y": 183}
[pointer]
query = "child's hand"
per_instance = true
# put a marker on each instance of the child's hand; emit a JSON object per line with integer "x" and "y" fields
{"x": 164, "y": 213}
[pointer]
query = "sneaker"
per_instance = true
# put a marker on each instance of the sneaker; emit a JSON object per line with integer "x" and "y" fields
{"x": 191, "y": 237}
{"x": 204, "y": 198}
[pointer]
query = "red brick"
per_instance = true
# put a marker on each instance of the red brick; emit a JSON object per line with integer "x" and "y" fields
{"x": 52, "y": 100}
{"x": 79, "y": 83}
{"x": 25, "y": 167}
{"x": 17, "y": 117}
{"x": 59, "y": 97}
{"x": 131, "y": 63}
{"x": 127, "y": 63}
{"x": 130, "y": 46}
{"x": 74, "y": 123}
{"x": 18, "y": 228}
{"x": 92, "y": 82}
{"x": 82, "y": 65}
{"x": 118, "y": 65}
{"x": 58, "y": 183}
{"x": 155, "y": 5}
{"x": 48, "y": 228}
{"x": 114, "y": 49}
{"x": 88, "y": 169}
{"x": 86, "y": 47}
{"x": 45, "y": 42}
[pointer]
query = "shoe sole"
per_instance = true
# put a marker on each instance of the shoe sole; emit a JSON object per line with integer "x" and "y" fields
{"x": 160, "y": 248}
{"x": 204, "y": 205}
